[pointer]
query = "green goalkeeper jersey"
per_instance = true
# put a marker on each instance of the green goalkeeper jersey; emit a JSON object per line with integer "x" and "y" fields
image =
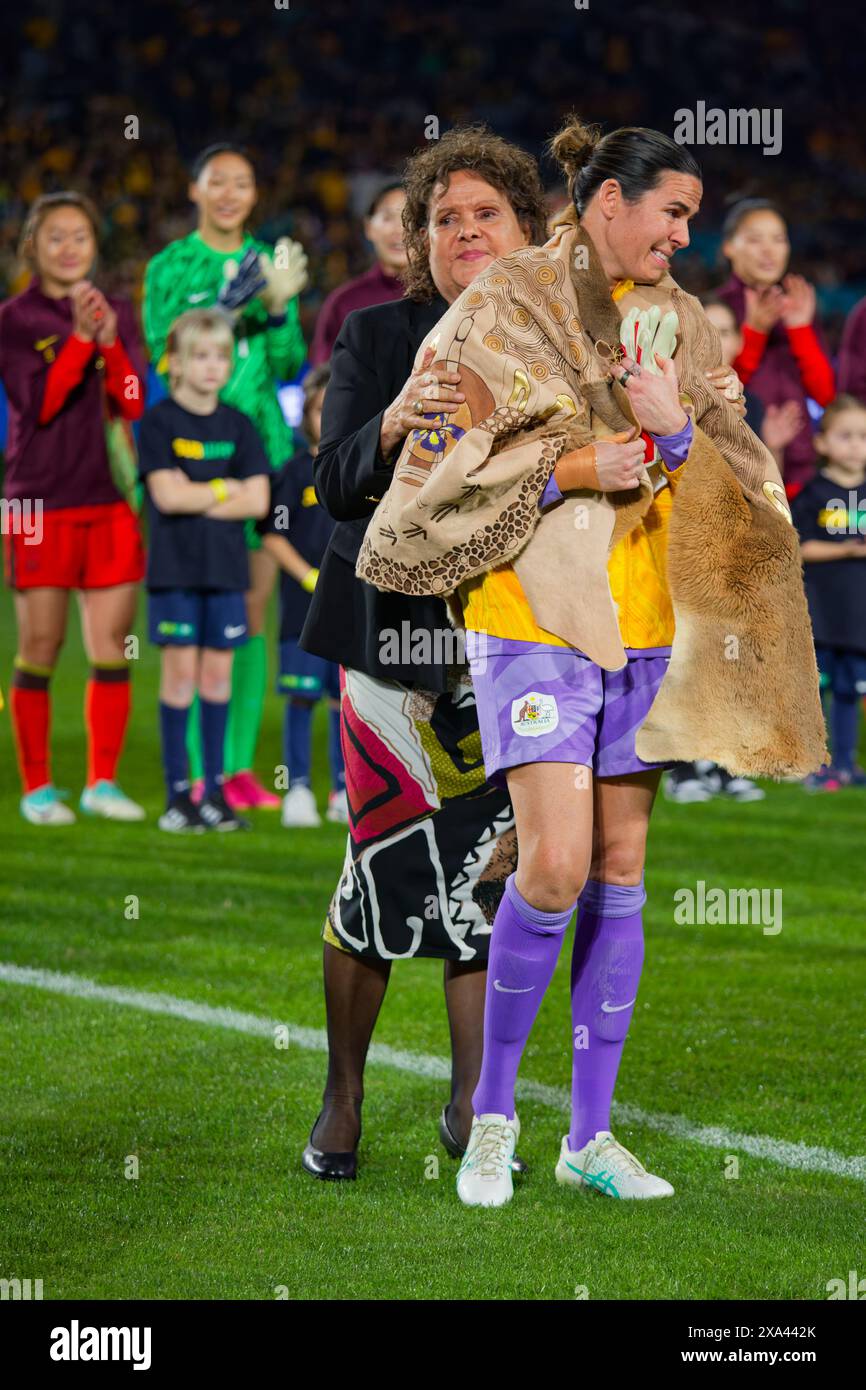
{"x": 188, "y": 274}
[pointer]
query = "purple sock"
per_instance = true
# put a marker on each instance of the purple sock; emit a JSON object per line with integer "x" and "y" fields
{"x": 605, "y": 971}
{"x": 524, "y": 948}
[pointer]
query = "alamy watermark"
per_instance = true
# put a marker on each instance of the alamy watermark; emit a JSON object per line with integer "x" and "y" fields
{"x": 733, "y": 906}
{"x": 841, "y": 518}
{"x": 438, "y": 646}
{"x": 738, "y": 126}
{"x": 20, "y": 1289}
{"x": 22, "y": 516}
{"x": 77, "y": 1343}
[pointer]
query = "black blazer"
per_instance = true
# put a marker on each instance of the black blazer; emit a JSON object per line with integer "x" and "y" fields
{"x": 372, "y": 358}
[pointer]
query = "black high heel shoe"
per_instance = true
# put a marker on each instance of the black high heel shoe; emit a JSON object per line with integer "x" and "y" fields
{"x": 330, "y": 1167}
{"x": 518, "y": 1164}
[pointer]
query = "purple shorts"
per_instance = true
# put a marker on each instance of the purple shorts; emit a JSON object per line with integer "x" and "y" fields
{"x": 540, "y": 703}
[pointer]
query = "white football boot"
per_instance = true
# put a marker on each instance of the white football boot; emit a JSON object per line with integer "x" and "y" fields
{"x": 44, "y": 807}
{"x": 484, "y": 1178}
{"x": 605, "y": 1165}
{"x": 299, "y": 808}
{"x": 107, "y": 800}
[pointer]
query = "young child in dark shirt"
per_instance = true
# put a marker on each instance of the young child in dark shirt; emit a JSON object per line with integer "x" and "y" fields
{"x": 206, "y": 472}
{"x": 296, "y": 533}
{"x": 830, "y": 515}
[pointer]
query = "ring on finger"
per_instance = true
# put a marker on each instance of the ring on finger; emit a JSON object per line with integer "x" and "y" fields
{"x": 418, "y": 406}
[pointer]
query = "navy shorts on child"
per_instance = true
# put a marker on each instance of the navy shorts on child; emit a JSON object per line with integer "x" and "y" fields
{"x": 302, "y": 673}
{"x": 843, "y": 672}
{"x": 215, "y": 618}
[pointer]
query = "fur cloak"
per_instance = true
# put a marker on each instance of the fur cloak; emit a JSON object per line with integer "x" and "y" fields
{"x": 532, "y": 339}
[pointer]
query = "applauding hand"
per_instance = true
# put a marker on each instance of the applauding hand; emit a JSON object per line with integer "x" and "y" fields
{"x": 798, "y": 303}
{"x": 764, "y": 307}
{"x": 285, "y": 276}
{"x": 86, "y": 310}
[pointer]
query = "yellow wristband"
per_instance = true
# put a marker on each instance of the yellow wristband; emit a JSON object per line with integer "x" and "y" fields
{"x": 221, "y": 492}
{"x": 309, "y": 580}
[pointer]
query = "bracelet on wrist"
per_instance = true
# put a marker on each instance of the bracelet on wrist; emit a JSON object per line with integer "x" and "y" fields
{"x": 582, "y": 469}
{"x": 220, "y": 490}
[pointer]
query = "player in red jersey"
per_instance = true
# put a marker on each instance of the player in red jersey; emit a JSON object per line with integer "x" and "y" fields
{"x": 73, "y": 370}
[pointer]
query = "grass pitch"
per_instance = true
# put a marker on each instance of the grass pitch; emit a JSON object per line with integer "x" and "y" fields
{"x": 754, "y": 1034}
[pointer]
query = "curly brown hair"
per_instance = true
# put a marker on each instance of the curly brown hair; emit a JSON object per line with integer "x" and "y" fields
{"x": 504, "y": 166}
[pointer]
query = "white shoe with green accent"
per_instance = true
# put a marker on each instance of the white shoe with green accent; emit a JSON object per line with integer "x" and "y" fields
{"x": 107, "y": 800}
{"x": 44, "y": 807}
{"x": 603, "y": 1164}
{"x": 484, "y": 1178}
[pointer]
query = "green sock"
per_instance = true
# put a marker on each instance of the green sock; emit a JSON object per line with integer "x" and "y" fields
{"x": 249, "y": 683}
{"x": 193, "y": 742}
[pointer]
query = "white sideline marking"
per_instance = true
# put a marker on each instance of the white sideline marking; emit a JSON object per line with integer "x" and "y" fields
{"x": 805, "y": 1157}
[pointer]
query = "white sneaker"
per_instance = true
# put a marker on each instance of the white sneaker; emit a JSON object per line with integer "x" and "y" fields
{"x": 299, "y": 807}
{"x": 737, "y": 788}
{"x": 44, "y": 807}
{"x": 338, "y": 808}
{"x": 604, "y": 1164}
{"x": 691, "y": 790}
{"x": 484, "y": 1179}
{"x": 107, "y": 800}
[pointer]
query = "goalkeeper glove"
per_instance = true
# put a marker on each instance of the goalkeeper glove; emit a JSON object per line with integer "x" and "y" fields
{"x": 284, "y": 276}
{"x": 242, "y": 282}
{"x": 644, "y": 333}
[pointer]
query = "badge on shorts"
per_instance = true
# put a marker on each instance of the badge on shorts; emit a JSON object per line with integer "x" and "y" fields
{"x": 534, "y": 714}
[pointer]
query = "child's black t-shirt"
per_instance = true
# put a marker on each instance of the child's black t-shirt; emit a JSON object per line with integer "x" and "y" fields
{"x": 195, "y": 551}
{"x": 297, "y": 514}
{"x": 836, "y": 589}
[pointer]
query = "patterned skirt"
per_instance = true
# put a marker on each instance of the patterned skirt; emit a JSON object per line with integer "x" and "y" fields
{"x": 431, "y": 841}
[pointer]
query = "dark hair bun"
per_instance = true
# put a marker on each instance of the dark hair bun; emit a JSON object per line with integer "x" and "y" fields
{"x": 634, "y": 156}
{"x": 572, "y": 146}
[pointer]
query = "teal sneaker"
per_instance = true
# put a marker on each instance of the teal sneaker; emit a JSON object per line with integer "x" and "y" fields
{"x": 107, "y": 800}
{"x": 606, "y": 1165}
{"x": 44, "y": 807}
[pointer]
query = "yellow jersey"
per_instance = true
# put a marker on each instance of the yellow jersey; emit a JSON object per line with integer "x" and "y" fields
{"x": 495, "y": 603}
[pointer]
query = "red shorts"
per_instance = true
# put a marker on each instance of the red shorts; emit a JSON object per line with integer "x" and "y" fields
{"x": 92, "y": 547}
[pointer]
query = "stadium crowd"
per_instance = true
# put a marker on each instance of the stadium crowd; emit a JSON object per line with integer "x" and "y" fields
{"x": 327, "y": 109}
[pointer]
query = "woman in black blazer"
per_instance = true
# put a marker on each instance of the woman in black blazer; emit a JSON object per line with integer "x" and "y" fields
{"x": 430, "y": 841}
{"x": 370, "y": 366}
